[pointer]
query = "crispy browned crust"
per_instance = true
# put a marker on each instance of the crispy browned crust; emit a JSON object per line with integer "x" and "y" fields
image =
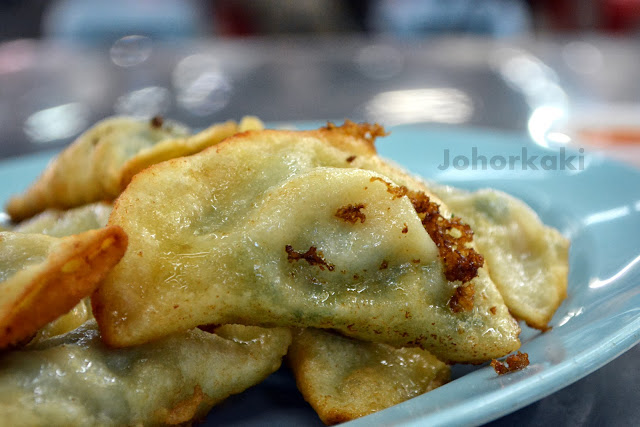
{"x": 72, "y": 272}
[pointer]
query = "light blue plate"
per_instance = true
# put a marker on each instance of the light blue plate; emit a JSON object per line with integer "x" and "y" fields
{"x": 597, "y": 207}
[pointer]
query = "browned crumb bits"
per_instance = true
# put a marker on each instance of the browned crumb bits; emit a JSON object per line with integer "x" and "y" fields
{"x": 351, "y": 213}
{"x": 462, "y": 299}
{"x": 461, "y": 262}
{"x": 384, "y": 265}
{"x": 514, "y": 362}
{"x": 351, "y": 159}
{"x": 312, "y": 256}
{"x": 157, "y": 121}
{"x": 366, "y": 131}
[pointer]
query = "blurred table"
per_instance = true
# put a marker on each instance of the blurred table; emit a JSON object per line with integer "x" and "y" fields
{"x": 50, "y": 92}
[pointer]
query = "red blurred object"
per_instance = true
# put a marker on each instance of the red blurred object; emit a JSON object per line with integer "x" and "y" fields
{"x": 616, "y": 16}
{"x": 619, "y": 15}
{"x": 233, "y": 19}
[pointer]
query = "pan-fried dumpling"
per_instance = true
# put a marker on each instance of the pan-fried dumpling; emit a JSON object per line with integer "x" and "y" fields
{"x": 53, "y": 222}
{"x": 102, "y": 161}
{"x": 60, "y": 224}
{"x": 527, "y": 260}
{"x": 89, "y": 169}
{"x": 278, "y": 228}
{"x": 343, "y": 379}
{"x": 75, "y": 380}
{"x": 43, "y": 277}
{"x": 185, "y": 146}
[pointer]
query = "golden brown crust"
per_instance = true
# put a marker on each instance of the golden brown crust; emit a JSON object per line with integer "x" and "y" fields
{"x": 72, "y": 272}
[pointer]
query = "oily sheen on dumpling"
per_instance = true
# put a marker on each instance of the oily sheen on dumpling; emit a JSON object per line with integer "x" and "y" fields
{"x": 99, "y": 164}
{"x": 283, "y": 228}
{"x": 343, "y": 379}
{"x": 53, "y": 222}
{"x": 75, "y": 380}
{"x": 527, "y": 260}
{"x": 57, "y": 223}
{"x": 43, "y": 277}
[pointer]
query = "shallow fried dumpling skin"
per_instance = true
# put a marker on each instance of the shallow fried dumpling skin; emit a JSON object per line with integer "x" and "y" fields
{"x": 89, "y": 169}
{"x": 75, "y": 380}
{"x": 343, "y": 379}
{"x": 43, "y": 277}
{"x": 58, "y": 223}
{"x": 100, "y": 163}
{"x": 185, "y": 146}
{"x": 527, "y": 260}
{"x": 250, "y": 232}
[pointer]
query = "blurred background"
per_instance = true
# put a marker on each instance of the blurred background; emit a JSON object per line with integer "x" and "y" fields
{"x": 538, "y": 66}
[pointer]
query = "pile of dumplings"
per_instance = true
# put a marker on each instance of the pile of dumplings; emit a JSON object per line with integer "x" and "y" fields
{"x": 150, "y": 273}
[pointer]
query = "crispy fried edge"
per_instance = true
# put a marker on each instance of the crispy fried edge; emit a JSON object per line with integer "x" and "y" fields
{"x": 72, "y": 272}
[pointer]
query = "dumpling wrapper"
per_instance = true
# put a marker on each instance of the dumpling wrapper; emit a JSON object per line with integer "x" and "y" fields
{"x": 53, "y": 222}
{"x": 43, "y": 277}
{"x": 214, "y": 240}
{"x": 185, "y": 146}
{"x": 60, "y": 224}
{"x": 76, "y": 380}
{"x": 344, "y": 379}
{"x": 99, "y": 164}
{"x": 527, "y": 260}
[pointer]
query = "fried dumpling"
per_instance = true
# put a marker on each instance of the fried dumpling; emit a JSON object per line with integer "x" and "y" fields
{"x": 102, "y": 161}
{"x": 89, "y": 169}
{"x": 527, "y": 260}
{"x": 343, "y": 379}
{"x": 57, "y": 223}
{"x": 185, "y": 146}
{"x": 43, "y": 277}
{"x": 75, "y": 380}
{"x": 53, "y": 222}
{"x": 279, "y": 228}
